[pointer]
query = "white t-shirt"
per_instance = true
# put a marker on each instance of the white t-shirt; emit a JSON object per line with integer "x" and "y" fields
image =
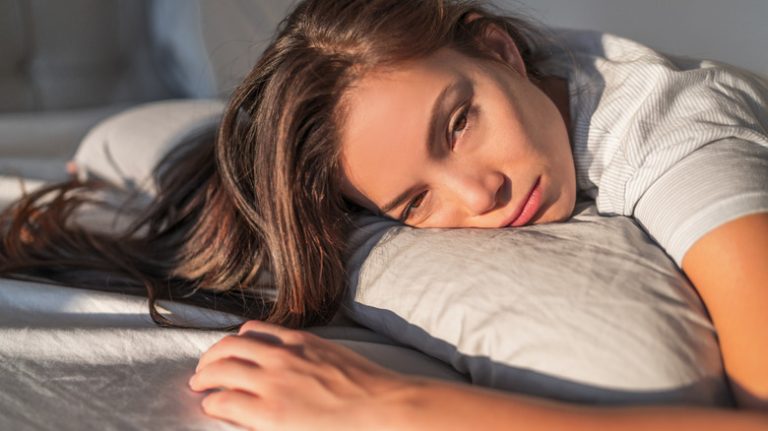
{"x": 679, "y": 144}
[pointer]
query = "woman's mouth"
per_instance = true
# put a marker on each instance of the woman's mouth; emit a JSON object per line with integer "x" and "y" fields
{"x": 528, "y": 208}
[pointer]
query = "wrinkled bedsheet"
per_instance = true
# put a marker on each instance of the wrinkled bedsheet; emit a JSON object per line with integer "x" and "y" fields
{"x": 73, "y": 359}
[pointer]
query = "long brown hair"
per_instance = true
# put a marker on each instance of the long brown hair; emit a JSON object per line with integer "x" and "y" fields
{"x": 251, "y": 219}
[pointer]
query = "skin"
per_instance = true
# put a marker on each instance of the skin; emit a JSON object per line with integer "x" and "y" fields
{"x": 498, "y": 132}
{"x": 736, "y": 296}
{"x": 518, "y": 135}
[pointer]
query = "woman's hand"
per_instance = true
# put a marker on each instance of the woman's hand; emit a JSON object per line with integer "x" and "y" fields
{"x": 272, "y": 378}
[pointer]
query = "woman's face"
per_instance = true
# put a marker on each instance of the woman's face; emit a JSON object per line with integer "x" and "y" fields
{"x": 454, "y": 141}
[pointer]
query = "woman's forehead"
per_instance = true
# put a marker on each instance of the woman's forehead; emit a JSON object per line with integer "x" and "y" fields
{"x": 386, "y": 125}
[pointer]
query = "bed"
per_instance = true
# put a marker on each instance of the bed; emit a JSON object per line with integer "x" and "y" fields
{"x": 76, "y": 359}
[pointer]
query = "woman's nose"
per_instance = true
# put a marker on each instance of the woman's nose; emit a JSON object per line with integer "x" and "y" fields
{"x": 479, "y": 193}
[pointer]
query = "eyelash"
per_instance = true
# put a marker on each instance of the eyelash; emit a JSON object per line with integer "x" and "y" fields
{"x": 461, "y": 119}
{"x": 413, "y": 204}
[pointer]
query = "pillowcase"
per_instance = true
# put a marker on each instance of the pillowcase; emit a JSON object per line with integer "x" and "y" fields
{"x": 124, "y": 149}
{"x": 589, "y": 311}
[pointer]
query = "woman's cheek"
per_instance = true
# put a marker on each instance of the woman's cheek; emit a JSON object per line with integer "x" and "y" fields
{"x": 445, "y": 216}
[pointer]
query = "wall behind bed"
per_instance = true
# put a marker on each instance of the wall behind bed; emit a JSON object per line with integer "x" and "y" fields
{"x": 213, "y": 43}
{"x": 732, "y": 31}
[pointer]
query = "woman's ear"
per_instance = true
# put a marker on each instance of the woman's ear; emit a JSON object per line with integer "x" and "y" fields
{"x": 501, "y": 45}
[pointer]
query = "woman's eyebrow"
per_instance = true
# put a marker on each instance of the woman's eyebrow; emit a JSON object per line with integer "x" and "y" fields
{"x": 434, "y": 143}
{"x": 399, "y": 200}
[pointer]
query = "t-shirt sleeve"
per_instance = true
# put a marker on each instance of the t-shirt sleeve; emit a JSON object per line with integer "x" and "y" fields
{"x": 717, "y": 183}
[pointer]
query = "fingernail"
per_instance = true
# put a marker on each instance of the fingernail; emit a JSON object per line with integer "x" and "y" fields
{"x": 191, "y": 382}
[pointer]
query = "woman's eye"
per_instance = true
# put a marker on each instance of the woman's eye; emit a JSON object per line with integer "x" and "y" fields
{"x": 459, "y": 125}
{"x": 413, "y": 205}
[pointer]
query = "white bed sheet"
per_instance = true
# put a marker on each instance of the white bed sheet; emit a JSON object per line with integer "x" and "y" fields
{"x": 73, "y": 359}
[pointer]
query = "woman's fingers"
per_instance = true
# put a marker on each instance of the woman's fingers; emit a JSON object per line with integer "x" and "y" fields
{"x": 272, "y": 378}
{"x": 249, "y": 348}
{"x": 287, "y": 336}
{"x": 238, "y": 407}
{"x": 260, "y": 342}
{"x": 230, "y": 373}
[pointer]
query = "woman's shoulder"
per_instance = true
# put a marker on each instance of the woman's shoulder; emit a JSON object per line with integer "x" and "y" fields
{"x": 614, "y": 78}
{"x": 636, "y": 112}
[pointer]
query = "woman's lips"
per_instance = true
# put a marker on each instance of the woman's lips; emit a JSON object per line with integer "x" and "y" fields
{"x": 529, "y": 207}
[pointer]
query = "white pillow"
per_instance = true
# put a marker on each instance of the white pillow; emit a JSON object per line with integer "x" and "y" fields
{"x": 124, "y": 148}
{"x": 589, "y": 311}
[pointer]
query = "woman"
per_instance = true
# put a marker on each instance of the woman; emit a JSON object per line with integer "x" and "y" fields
{"x": 436, "y": 113}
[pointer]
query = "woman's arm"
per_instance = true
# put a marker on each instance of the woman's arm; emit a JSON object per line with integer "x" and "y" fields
{"x": 729, "y": 267}
{"x": 300, "y": 381}
{"x": 437, "y": 405}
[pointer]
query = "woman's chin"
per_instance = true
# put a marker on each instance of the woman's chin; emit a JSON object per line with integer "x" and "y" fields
{"x": 558, "y": 212}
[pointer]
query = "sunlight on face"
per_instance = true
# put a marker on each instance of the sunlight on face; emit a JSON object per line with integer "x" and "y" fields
{"x": 454, "y": 141}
